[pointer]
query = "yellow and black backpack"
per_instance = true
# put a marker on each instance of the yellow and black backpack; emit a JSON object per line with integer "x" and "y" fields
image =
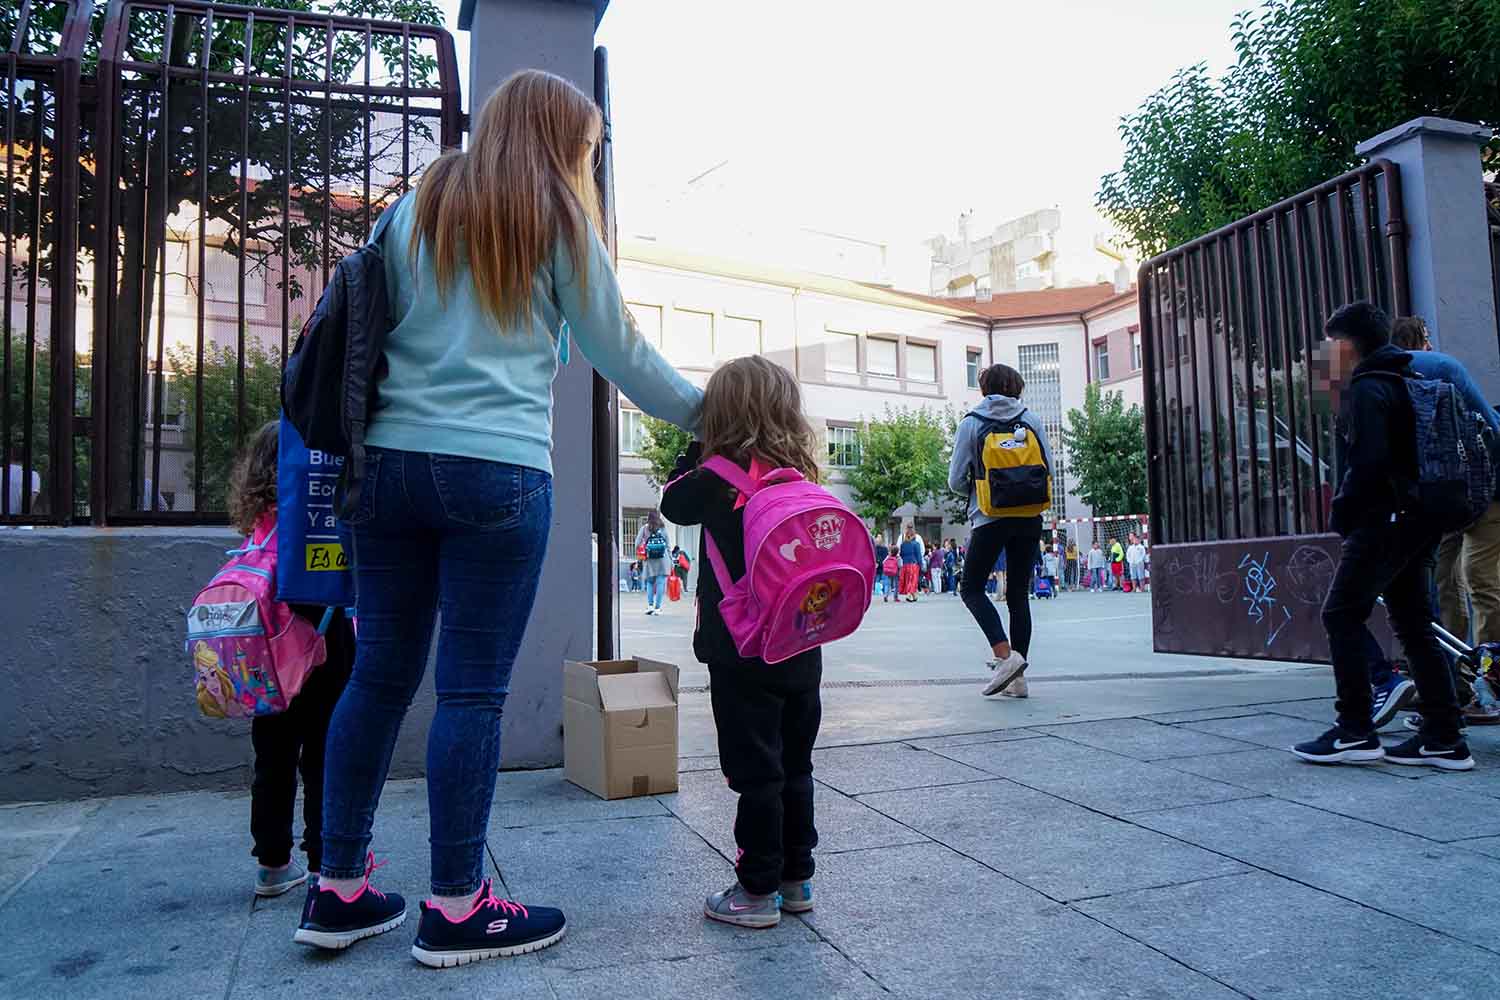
{"x": 1013, "y": 479}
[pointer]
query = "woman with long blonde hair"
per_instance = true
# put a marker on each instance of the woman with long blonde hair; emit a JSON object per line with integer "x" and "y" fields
{"x": 494, "y": 268}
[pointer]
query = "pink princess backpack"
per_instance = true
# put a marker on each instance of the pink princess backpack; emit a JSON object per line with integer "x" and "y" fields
{"x": 807, "y": 557}
{"x": 251, "y": 653}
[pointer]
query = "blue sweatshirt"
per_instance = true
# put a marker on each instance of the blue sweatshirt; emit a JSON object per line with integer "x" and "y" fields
{"x": 460, "y": 384}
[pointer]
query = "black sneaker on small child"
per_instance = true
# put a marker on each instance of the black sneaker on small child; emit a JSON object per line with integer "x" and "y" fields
{"x": 1338, "y": 746}
{"x": 1418, "y": 752}
{"x": 494, "y": 928}
{"x": 333, "y": 921}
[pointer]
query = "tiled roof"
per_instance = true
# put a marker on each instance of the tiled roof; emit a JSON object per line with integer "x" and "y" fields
{"x": 1027, "y": 305}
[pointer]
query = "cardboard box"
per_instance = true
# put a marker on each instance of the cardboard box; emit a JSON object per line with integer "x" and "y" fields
{"x": 620, "y": 727}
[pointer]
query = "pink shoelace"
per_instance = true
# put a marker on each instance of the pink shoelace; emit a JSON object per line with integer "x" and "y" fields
{"x": 487, "y": 899}
{"x": 370, "y": 865}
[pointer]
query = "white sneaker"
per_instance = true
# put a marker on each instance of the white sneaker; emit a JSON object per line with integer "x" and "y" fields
{"x": 1016, "y": 689}
{"x": 1007, "y": 670}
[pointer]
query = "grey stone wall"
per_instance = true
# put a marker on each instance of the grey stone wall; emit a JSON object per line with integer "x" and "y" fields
{"x": 98, "y": 692}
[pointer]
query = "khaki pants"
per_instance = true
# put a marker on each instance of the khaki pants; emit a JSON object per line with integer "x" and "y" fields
{"x": 1468, "y": 570}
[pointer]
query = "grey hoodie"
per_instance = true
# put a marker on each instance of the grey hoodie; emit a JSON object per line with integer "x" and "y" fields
{"x": 961, "y": 469}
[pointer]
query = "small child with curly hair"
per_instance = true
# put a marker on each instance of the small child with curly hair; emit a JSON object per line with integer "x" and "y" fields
{"x": 293, "y": 740}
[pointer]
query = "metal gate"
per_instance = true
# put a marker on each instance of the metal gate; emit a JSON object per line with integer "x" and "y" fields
{"x": 203, "y": 166}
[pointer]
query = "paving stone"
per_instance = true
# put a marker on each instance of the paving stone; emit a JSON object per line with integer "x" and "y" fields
{"x": 968, "y": 739}
{"x": 1440, "y": 811}
{"x": 688, "y": 764}
{"x": 1055, "y": 847}
{"x": 1094, "y": 778}
{"x": 1269, "y": 937}
{"x": 990, "y": 938}
{"x": 47, "y": 817}
{"x": 798, "y": 970}
{"x": 856, "y": 770}
{"x": 1347, "y": 857}
{"x": 533, "y": 798}
{"x": 1202, "y": 714}
{"x": 633, "y": 890}
{"x": 1279, "y": 731}
{"x": 146, "y": 924}
{"x": 705, "y": 803}
{"x": 1484, "y": 845}
{"x": 274, "y": 967}
{"x": 155, "y": 824}
{"x": 1143, "y": 740}
{"x": 1311, "y": 709}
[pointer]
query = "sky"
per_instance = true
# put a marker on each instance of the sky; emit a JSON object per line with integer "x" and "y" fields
{"x": 882, "y": 119}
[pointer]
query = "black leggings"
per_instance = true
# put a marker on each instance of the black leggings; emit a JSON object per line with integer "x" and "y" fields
{"x": 1019, "y": 538}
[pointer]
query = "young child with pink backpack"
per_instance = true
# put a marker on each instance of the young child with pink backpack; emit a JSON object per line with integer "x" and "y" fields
{"x": 255, "y": 657}
{"x": 791, "y": 570}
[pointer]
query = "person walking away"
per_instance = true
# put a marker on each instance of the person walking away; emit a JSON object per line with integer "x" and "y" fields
{"x": 910, "y": 552}
{"x": 493, "y": 269}
{"x": 1070, "y": 564}
{"x": 1135, "y": 562}
{"x": 950, "y": 564}
{"x": 935, "y": 562}
{"x": 1049, "y": 568}
{"x": 1002, "y": 462}
{"x": 1387, "y": 541}
{"x": 682, "y": 566}
{"x": 766, "y": 716}
{"x": 292, "y": 741}
{"x": 656, "y": 562}
{"x": 635, "y": 577}
{"x": 1116, "y": 564}
{"x": 1096, "y": 568}
{"x": 1468, "y": 561}
{"x": 881, "y": 551}
{"x": 22, "y": 490}
{"x": 891, "y": 567}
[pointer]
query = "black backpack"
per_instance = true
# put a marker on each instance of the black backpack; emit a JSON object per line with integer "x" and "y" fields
{"x": 328, "y": 388}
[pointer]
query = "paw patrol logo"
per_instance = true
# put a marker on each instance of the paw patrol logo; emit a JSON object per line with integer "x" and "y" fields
{"x": 827, "y": 531}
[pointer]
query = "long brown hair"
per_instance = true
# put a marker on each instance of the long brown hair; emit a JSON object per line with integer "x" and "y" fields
{"x": 252, "y": 484}
{"x": 526, "y": 179}
{"x": 752, "y": 408}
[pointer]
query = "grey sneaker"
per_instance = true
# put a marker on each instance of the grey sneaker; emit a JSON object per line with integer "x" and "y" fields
{"x": 796, "y": 897}
{"x": 1016, "y": 689}
{"x": 743, "y": 909}
{"x": 275, "y": 881}
{"x": 1007, "y": 670}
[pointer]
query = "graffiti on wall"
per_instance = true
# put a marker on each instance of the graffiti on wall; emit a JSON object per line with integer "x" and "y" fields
{"x": 1265, "y": 608}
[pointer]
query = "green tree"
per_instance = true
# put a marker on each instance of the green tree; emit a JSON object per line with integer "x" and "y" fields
{"x": 956, "y": 506}
{"x": 903, "y": 459}
{"x": 664, "y": 442}
{"x": 1107, "y": 453}
{"x": 1311, "y": 80}
{"x": 220, "y": 375}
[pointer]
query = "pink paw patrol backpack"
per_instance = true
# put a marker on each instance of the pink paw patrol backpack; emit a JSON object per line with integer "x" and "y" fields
{"x": 251, "y": 653}
{"x": 807, "y": 559}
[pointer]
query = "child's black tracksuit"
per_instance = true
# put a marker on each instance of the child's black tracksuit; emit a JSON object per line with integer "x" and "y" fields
{"x": 767, "y": 715}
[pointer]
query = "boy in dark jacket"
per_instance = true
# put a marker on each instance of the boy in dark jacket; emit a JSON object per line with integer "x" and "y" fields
{"x": 1387, "y": 546}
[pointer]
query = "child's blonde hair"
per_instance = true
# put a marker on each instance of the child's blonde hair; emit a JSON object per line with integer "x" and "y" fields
{"x": 753, "y": 408}
{"x": 252, "y": 484}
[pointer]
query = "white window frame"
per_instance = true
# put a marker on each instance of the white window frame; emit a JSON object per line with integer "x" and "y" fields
{"x": 720, "y": 352}
{"x": 706, "y": 360}
{"x": 921, "y": 345}
{"x": 1101, "y": 360}
{"x": 635, "y": 309}
{"x": 973, "y": 366}
{"x": 1135, "y": 350}
{"x": 632, "y": 426}
{"x": 833, "y": 337}
{"x": 847, "y": 440}
{"x": 895, "y": 343}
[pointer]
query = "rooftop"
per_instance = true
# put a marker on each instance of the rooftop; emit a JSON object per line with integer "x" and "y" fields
{"x": 1032, "y": 305}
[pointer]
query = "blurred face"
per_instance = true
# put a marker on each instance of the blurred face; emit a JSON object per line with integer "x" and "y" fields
{"x": 1332, "y": 364}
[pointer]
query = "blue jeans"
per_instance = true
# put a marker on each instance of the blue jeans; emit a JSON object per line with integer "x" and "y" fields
{"x": 433, "y": 532}
{"x": 656, "y": 589}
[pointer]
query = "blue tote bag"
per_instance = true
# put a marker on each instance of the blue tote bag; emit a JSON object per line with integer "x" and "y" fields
{"x": 315, "y": 549}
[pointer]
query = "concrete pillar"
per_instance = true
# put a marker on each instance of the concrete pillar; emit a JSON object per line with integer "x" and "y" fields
{"x": 1448, "y": 239}
{"x": 557, "y": 36}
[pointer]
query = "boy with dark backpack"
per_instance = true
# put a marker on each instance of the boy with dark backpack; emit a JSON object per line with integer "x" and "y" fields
{"x": 1415, "y": 467}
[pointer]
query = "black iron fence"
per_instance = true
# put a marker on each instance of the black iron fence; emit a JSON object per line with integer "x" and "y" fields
{"x": 1492, "y": 212}
{"x": 1238, "y": 444}
{"x": 179, "y": 180}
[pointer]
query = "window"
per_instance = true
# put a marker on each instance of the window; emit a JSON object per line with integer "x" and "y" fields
{"x": 173, "y": 402}
{"x": 632, "y": 432}
{"x": 631, "y": 519}
{"x": 921, "y": 363}
{"x": 175, "y": 275}
{"x": 738, "y": 337}
{"x": 880, "y": 356}
{"x": 843, "y": 447}
{"x": 648, "y": 321}
{"x": 221, "y": 277}
{"x": 689, "y": 341}
{"x": 842, "y": 353}
{"x": 1101, "y": 361}
{"x": 973, "y": 364}
{"x": 1040, "y": 367}
{"x": 1135, "y": 348}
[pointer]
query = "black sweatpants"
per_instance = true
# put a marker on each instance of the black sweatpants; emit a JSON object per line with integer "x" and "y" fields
{"x": 1018, "y": 538}
{"x": 767, "y": 718}
{"x": 293, "y": 741}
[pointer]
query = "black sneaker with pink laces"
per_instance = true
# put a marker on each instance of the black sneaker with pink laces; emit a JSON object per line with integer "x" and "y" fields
{"x": 494, "y": 928}
{"x": 333, "y": 921}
